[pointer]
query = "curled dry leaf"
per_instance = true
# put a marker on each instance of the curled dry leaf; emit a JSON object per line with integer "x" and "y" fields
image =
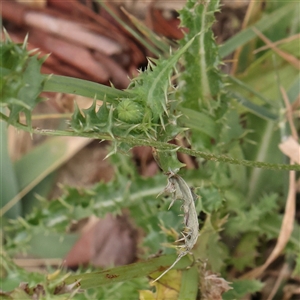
{"x": 291, "y": 148}
{"x": 212, "y": 287}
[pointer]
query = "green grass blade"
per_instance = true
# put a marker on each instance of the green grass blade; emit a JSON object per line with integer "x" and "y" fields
{"x": 249, "y": 89}
{"x": 50, "y": 155}
{"x": 128, "y": 272}
{"x": 57, "y": 151}
{"x": 189, "y": 284}
{"x": 254, "y": 108}
{"x": 64, "y": 84}
{"x": 258, "y": 85}
{"x": 294, "y": 90}
{"x": 8, "y": 180}
{"x": 263, "y": 24}
{"x": 267, "y": 138}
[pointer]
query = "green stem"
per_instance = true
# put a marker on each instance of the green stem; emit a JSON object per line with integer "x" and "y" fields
{"x": 132, "y": 141}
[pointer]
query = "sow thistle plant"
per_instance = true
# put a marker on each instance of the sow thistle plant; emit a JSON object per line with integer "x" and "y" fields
{"x": 154, "y": 110}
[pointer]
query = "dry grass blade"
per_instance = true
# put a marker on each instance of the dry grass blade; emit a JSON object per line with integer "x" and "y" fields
{"x": 289, "y": 113}
{"x": 284, "y": 272}
{"x": 286, "y": 56}
{"x": 252, "y": 15}
{"x": 285, "y": 230}
{"x": 277, "y": 43}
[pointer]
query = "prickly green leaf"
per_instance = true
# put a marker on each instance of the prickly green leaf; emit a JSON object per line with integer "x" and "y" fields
{"x": 78, "y": 121}
{"x": 90, "y": 116}
{"x": 22, "y": 82}
{"x": 211, "y": 198}
{"x": 233, "y": 131}
{"x": 201, "y": 78}
{"x": 199, "y": 121}
{"x": 151, "y": 88}
{"x": 208, "y": 246}
{"x": 245, "y": 253}
{"x": 242, "y": 288}
{"x": 167, "y": 160}
{"x": 103, "y": 113}
{"x": 251, "y": 218}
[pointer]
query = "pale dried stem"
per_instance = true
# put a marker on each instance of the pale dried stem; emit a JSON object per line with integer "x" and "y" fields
{"x": 289, "y": 113}
{"x": 277, "y": 43}
{"x": 284, "y": 55}
{"x": 289, "y": 215}
{"x": 284, "y": 273}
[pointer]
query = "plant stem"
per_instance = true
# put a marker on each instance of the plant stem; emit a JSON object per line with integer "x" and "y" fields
{"x": 132, "y": 141}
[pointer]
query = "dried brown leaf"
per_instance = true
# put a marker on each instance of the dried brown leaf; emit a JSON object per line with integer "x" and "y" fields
{"x": 213, "y": 286}
{"x": 291, "y": 148}
{"x": 72, "y": 54}
{"x": 109, "y": 241}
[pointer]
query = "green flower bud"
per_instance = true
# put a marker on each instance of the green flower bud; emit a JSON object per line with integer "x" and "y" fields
{"x": 130, "y": 111}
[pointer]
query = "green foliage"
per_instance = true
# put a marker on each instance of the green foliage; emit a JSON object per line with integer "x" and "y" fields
{"x": 8, "y": 180}
{"x": 297, "y": 267}
{"x": 123, "y": 273}
{"x": 245, "y": 253}
{"x": 15, "y": 275}
{"x": 242, "y": 288}
{"x": 223, "y": 123}
{"x": 148, "y": 113}
{"x": 202, "y": 81}
{"x": 21, "y": 81}
{"x": 248, "y": 217}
